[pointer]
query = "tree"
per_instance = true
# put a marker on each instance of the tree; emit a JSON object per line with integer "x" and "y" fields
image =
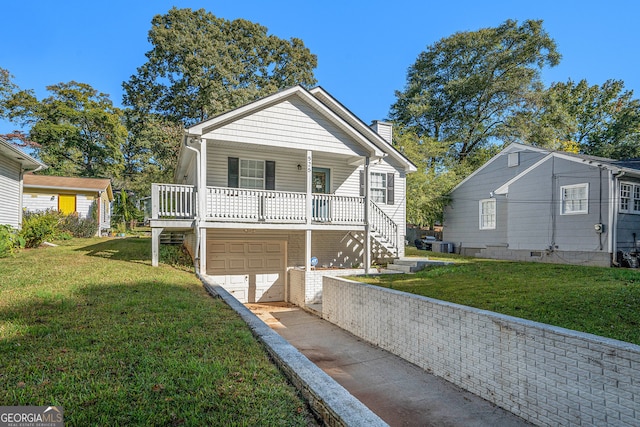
{"x": 437, "y": 174}
{"x": 201, "y": 65}
{"x": 76, "y": 131}
{"x": 150, "y": 152}
{"x": 597, "y": 120}
{"x": 463, "y": 88}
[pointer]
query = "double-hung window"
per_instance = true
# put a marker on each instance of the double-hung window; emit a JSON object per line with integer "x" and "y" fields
{"x": 487, "y": 209}
{"x": 379, "y": 187}
{"x": 252, "y": 174}
{"x": 575, "y": 199}
{"x": 630, "y": 198}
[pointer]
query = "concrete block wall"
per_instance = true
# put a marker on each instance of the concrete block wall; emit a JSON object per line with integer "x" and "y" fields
{"x": 306, "y": 287}
{"x": 544, "y": 374}
{"x": 597, "y": 259}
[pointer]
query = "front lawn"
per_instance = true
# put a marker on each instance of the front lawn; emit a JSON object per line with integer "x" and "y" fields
{"x": 91, "y": 326}
{"x": 601, "y": 301}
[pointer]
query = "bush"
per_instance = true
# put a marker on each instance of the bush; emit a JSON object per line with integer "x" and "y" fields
{"x": 176, "y": 256}
{"x": 10, "y": 240}
{"x": 78, "y": 227}
{"x": 38, "y": 227}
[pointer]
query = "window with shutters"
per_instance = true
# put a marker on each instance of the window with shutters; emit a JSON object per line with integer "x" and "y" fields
{"x": 379, "y": 187}
{"x": 252, "y": 174}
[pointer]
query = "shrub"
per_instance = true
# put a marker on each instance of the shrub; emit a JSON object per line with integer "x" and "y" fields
{"x": 37, "y": 227}
{"x": 10, "y": 240}
{"x": 78, "y": 227}
{"x": 176, "y": 256}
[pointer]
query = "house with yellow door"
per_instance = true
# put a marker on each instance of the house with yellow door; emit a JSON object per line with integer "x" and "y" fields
{"x": 69, "y": 195}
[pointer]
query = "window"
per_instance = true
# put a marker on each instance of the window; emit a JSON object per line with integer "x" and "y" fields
{"x": 379, "y": 187}
{"x": 252, "y": 174}
{"x": 630, "y": 198}
{"x": 488, "y": 214}
{"x": 575, "y": 199}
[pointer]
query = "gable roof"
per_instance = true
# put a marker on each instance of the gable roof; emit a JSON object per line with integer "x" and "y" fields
{"x": 631, "y": 167}
{"x": 68, "y": 183}
{"x": 27, "y": 162}
{"x": 325, "y": 105}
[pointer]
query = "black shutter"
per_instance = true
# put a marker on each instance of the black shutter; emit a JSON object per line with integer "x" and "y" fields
{"x": 390, "y": 189}
{"x": 270, "y": 175}
{"x": 233, "y": 172}
{"x": 361, "y": 183}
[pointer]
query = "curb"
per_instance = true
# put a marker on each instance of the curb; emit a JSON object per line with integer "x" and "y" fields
{"x": 328, "y": 400}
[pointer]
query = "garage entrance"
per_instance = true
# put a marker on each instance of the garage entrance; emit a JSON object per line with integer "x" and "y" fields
{"x": 252, "y": 271}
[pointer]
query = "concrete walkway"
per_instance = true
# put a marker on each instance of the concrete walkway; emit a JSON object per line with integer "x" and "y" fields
{"x": 397, "y": 391}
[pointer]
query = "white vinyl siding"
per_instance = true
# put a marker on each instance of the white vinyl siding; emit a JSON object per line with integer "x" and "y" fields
{"x": 630, "y": 198}
{"x": 487, "y": 214}
{"x": 378, "y": 187}
{"x": 252, "y": 174}
{"x": 575, "y": 199}
{"x": 10, "y": 189}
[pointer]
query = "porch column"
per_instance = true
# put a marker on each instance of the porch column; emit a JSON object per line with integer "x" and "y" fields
{"x": 203, "y": 250}
{"x": 367, "y": 227}
{"x": 155, "y": 245}
{"x": 201, "y": 210}
{"x": 309, "y": 212}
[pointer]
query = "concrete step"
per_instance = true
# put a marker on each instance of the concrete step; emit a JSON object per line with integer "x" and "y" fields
{"x": 411, "y": 265}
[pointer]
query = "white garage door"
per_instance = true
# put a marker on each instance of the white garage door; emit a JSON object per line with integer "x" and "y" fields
{"x": 252, "y": 271}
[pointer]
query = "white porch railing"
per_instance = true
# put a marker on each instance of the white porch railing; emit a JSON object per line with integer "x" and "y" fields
{"x": 383, "y": 225}
{"x": 173, "y": 201}
{"x": 242, "y": 205}
{"x": 234, "y": 204}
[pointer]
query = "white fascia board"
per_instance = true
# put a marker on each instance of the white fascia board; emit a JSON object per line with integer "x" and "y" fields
{"x": 504, "y": 188}
{"x": 354, "y": 121}
{"x": 509, "y": 148}
{"x": 203, "y": 128}
{"x": 27, "y": 162}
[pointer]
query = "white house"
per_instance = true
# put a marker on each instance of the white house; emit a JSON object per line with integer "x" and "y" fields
{"x": 13, "y": 164}
{"x": 69, "y": 195}
{"x": 280, "y": 184}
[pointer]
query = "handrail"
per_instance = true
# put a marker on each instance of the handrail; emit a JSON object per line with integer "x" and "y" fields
{"x": 383, "y": 225}
{"x": 173, "y": 201}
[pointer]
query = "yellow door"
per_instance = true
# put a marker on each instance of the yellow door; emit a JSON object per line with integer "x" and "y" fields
{"x": 67, "y": 203}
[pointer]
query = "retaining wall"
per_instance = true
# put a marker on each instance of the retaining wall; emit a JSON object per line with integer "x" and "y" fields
{"x": 544, "y": 374}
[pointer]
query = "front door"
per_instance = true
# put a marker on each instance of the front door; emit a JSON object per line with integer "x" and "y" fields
{"x": 320, "y": 184}
{"x": 67, "y": 203}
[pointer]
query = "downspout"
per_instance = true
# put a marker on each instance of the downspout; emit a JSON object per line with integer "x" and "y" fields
{"x": 196, "y": 255}
{"x": 614, "y": 212}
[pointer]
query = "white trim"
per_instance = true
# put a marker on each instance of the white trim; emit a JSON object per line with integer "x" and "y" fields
{"x": 492, "y": 224}
{"x": 562, "y": 199}
{"x": 504, "y": 188}
{"x": 507, "y": 149}
{"x": 201, "y": 129}
{"x": 632, "y": 197}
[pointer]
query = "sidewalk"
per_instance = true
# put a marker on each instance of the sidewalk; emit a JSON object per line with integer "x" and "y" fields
{"x": 397, "y": 391}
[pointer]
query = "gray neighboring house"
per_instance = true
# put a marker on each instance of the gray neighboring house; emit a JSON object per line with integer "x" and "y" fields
{"x": 533, "y": 204}
{"x": 13, "y": 164}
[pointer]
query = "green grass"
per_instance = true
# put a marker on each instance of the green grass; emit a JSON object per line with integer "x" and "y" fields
{"x": 91, "y": 326}
{"x": 601, "y": 301}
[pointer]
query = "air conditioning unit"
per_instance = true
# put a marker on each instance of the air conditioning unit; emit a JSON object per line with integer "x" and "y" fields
{"x": 442, "y": 247}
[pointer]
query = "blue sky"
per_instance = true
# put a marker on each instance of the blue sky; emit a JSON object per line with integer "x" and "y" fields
{"x": 364, "y": 47}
